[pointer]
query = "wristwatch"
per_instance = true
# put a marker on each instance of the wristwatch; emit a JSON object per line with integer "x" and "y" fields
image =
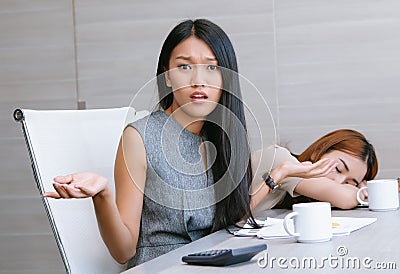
{"x": 270, "y": 182}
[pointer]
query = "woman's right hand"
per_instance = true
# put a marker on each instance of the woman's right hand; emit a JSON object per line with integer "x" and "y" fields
{"x": 307, "y": 170}
{"x": 78, "y": 185}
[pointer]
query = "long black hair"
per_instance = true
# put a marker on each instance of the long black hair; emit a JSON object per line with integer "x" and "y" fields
{"x": 225, "y": 126}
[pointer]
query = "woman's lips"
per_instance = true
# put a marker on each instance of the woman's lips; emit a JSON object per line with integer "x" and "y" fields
{"x": 198, "y": 96}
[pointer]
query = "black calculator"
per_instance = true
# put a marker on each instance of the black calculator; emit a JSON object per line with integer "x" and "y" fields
{"x": 224, "y": 257}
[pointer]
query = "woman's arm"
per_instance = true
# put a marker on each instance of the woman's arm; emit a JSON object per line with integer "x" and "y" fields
{"x": 118, "y": 220}
{"x": 263, "y": 190}
{"x": 291, "y": 169}
{"x": 122, "y": 232}
{"x": 324, "y": 189}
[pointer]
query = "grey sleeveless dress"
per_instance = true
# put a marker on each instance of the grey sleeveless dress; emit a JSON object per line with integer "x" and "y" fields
{"x": 178, "y": 205}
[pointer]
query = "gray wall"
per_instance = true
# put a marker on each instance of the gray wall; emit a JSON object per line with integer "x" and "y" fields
{"x": 321, "y": 65}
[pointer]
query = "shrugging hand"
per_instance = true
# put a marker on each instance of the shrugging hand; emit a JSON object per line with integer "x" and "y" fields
{"x": 307, "y": 170}
{"x": 78, "y": 185}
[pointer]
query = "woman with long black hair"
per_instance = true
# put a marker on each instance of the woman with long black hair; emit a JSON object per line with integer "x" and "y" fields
{"x": 183, "y": 171}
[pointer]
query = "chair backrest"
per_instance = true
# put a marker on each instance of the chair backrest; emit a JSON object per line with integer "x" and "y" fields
{"x": 61, "y": 142}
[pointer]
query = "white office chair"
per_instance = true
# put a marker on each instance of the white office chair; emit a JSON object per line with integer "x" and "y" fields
{"x": 61, "y": 142}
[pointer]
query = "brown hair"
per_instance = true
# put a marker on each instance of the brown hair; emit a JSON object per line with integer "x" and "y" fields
{"x": 345, "y": 140}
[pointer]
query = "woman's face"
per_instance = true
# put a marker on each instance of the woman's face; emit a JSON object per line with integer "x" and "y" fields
{"x": 194, "y": 77}
{"x": 350, "y": 169}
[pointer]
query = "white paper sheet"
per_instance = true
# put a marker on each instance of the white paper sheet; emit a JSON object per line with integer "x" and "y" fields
{"x": 273, "y": 227}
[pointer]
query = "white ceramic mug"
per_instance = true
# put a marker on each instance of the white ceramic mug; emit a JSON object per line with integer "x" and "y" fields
{"x": 382, "y": 195}
{"x": 312, "y": 222}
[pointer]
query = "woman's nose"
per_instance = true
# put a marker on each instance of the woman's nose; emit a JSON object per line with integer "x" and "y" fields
{"x": 198, "y": 76}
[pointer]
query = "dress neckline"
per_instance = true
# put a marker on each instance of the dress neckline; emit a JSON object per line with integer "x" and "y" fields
{"x": 179, "y": 127}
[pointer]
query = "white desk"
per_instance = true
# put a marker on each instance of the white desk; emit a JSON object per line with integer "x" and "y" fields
{"x": 379, "y": 241}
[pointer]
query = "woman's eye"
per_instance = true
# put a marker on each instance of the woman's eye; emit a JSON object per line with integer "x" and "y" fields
{"x": 212, "y": 67}
{"x": 184, "y": 67}
{"x": 337, "y": 170}
{"x": 351, "y": 183}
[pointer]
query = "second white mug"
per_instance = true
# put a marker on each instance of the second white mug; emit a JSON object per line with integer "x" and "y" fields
{"x": 382, "y": 195}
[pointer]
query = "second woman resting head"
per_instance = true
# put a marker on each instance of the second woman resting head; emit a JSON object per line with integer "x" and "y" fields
{"x": 354, "y": 161}
{"x": 355, "y": 155}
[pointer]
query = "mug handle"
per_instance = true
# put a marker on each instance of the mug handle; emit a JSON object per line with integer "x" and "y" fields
{"x": 285, "y": 223}
{"x": 358, "y": 196}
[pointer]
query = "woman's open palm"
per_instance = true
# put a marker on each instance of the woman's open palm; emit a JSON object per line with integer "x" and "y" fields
{"x": 77, "y": 185}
